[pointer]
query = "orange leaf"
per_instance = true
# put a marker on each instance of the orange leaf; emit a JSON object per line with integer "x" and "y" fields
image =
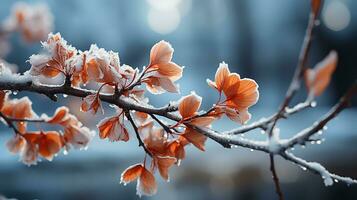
{"x": 231, "y": 85}
{"x": 106, "y": 126}
{"x": 317, "y": 79}
{"x": 168, "y": 85}
{"x": 32, "y": 137}
{"x": 195, "y": 138}
{"x": 170, "y": 70}
{"x": 131, "y": 173}
{"x": 60, "y": 115}
{"x": 221, "y": 77}
{"x": 91, "y": 103}
{"x": 94, "y": 72}
{"x": 316, "y": 6}
{"x": 22, "y": 108}
{"x": 113, "y": 129}
{"x": 189, "y": 105}
{"x": 51, "y": 69}
{"x": 158, "y": 85}
{"x": 161, "y": 52}
{"x": 29, "y": 154}
{"x": 163, "y": 164}
{"x": 202, "y": 121}
{"x": 177, "y": 150}
{"x": 16, "y": 143}
{"x": 156, "y": 141}
{"x": 2, "y": 98}
{"x": 247, "y": 94}
{"x": 146, "y": 183}
{"x": 238, "y": 115}
{"x": 49, "y": 144}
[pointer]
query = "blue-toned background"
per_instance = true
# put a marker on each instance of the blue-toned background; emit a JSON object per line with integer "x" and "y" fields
{"x": 259, "y": 39}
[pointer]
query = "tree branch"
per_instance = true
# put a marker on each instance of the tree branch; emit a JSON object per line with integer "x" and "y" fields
{"x": 141, "y": 143}
{"x": 275, "y": 178}
{"x": 264, "y": 122}
{"x": 10, "y": 123}
{"x": 164, "y": 126}
{"x": 299, "y": 71}
{"x": 317, "y": 168}
{"x": 304, "y": 135}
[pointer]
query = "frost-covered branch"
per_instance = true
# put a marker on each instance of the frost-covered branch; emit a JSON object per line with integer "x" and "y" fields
{"x": 264, "y": 122}
{"x": 302, "y": 61}
{"x": 317, "y": 168}
{"x": 304, "y": 135}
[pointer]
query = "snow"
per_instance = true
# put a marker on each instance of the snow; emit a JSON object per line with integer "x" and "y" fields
{"x": 274, "y": 143}
{"x": 241, "y": 141}
{"x": 7, "y": 76}
{"x": 314, "y": 166}
{"x": 323, "y": 172}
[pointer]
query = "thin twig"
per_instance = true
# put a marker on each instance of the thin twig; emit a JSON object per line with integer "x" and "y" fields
{"x": 305, "y": 134}
{"x": 295, "y": 82}
{"x": 275, "y": 178}
{"x": 141, "y": 143}
{"x": 27, "y": 120}
{"x": 263, "y": 123}
{"x": 293, "y": 88}
{"x": 9, "y": 123}
{"x": 164, "y": 126}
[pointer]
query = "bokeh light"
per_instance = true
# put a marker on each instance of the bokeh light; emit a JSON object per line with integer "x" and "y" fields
{"x": 164, "y": 16}
{"x": 164, "y": 5}
{"x": 336, "y": 15}
{"x": 164, "y": 21}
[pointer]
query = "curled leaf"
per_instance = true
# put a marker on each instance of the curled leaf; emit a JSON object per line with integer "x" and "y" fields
{"x": 164, "y": 164}
{"x": 189, "y": 105}
{"x": 131, "y": 173}
{"x": 61, "y": 114}
{"x": 146, "y": 183}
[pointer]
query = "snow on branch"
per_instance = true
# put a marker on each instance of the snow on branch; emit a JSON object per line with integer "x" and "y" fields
{"x": 329, "y": 178}
{"x": 304, "y": 135}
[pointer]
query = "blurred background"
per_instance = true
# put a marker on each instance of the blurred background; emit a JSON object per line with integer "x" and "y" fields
{"x": 259, "y": 39}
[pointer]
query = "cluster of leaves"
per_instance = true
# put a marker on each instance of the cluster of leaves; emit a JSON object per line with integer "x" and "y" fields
{"x": 100, "y": 69}
{"x": 30, "y": 144}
